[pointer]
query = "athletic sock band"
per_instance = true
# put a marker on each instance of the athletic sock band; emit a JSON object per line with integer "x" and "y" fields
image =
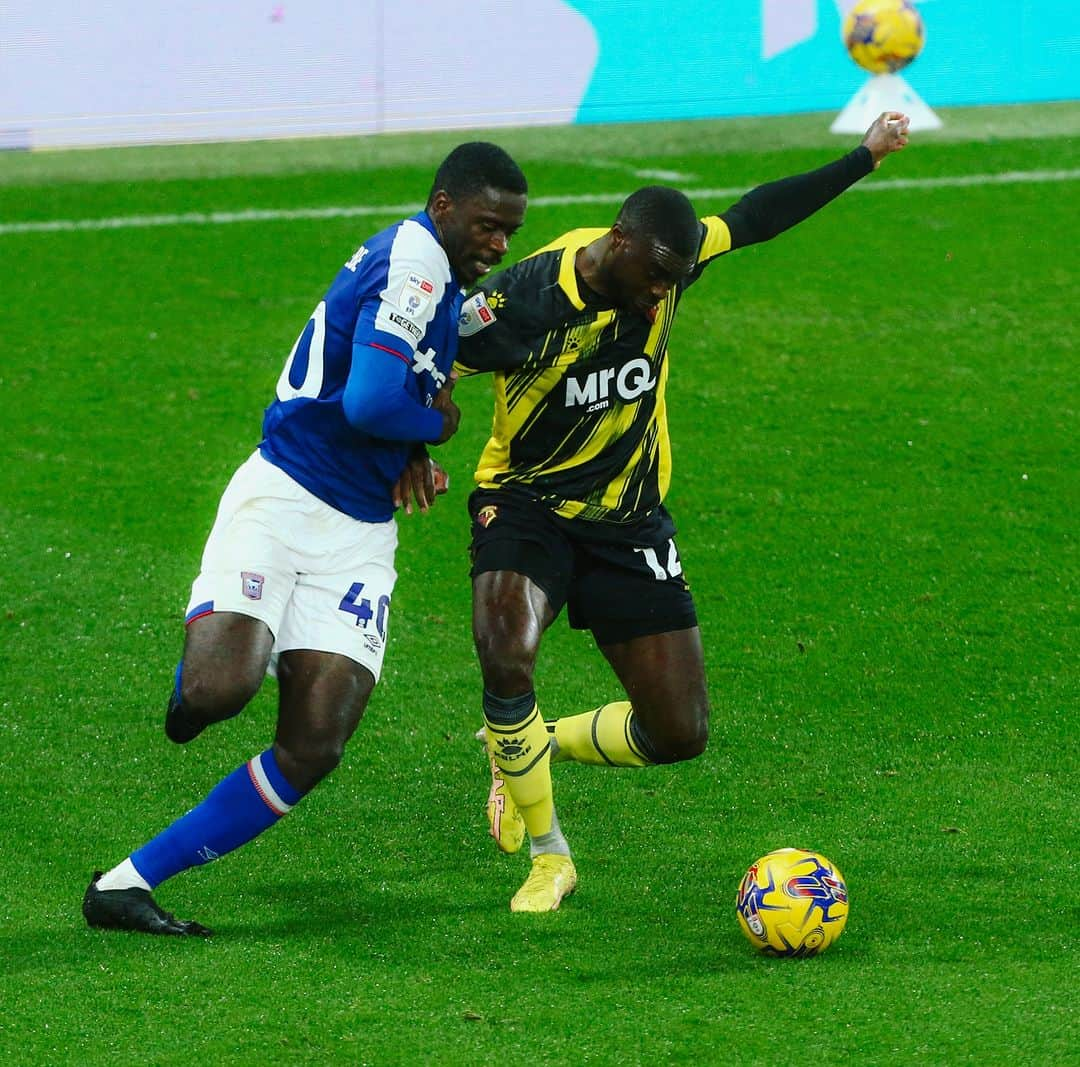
{"x": 508, "y": 711}
{"x": 240, "y": 807}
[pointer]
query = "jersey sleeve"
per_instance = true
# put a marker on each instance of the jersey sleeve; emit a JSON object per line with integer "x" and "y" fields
{"x": 715, "y": 241}
{"x": 485, "y": 342}
{"x": 497, "y": 321}
{"x": 399, "y": 300}
{"x": 376, "y": 401}
{"x": 770, "y": 209}
{"x": 398, "y": 315}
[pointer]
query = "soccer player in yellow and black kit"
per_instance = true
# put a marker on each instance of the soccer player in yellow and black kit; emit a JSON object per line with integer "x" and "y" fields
{"x": 569, "y": 508}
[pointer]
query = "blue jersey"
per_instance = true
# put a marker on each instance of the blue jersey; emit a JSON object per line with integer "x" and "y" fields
{"x": 396, "y": 298}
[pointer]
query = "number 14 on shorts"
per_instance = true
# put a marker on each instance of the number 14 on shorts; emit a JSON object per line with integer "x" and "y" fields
{"x": 663, "y": 572}
{"x": 352, "y": 603}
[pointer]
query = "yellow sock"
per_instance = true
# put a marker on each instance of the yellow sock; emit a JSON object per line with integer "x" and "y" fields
{"x": 601, "y": 737}
{"x": 523, "y": 755}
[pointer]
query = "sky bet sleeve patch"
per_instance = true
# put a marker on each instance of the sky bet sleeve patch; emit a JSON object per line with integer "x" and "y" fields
{"x": 476, "y": 315}
{"x": 415, "y": 294}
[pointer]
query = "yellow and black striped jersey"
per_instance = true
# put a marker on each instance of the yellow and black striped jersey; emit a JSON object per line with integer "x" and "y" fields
{"x": 580, "y": 415}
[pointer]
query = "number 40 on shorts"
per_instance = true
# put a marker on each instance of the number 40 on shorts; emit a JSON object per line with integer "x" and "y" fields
{"x": 352, "y": 603}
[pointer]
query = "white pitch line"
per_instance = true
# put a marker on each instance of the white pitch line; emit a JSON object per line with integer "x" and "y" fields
{"x": 395, "y": 211}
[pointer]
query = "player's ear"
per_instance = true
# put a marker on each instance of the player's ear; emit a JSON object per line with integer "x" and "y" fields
{"x": 440, "y": 203}
{"x": 621, "y": 239}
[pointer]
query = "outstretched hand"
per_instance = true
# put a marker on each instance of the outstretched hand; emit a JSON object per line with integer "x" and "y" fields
{"x": 889, "y": 133}
{"x": 422, "y": 480}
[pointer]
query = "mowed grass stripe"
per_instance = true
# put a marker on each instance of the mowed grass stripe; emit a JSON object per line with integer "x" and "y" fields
{"x": 223, "y": 218}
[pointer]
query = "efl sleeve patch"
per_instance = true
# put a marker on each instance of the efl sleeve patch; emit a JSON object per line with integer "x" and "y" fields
{"x": 476, "y": 315}
{"x": 416, "y": 294}
{"x": 407, "y": 305}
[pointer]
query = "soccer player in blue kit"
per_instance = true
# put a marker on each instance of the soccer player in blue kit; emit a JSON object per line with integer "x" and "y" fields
{"x": 298, "y": 570}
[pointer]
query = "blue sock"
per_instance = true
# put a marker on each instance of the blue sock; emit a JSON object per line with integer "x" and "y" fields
{"x": 238, "y": 808}
{"x": 178, "y": 686}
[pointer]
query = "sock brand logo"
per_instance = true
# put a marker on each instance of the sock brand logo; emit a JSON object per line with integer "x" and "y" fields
{"x": 512, "y": 748}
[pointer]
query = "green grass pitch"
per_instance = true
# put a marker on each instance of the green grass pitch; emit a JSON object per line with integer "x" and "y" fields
{"x": 874, "y": 422}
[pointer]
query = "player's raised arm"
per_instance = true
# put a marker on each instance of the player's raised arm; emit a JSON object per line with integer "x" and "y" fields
{"x": 770, "y": 209}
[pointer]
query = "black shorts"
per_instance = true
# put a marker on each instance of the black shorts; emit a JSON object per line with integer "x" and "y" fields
{"x": 620, "y": 582}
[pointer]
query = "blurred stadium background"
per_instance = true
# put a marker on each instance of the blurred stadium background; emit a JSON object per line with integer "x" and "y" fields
{"x": 126, "y": 72}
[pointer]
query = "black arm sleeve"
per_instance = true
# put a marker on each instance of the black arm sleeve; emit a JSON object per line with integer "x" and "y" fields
{"x": 770, "y": 209}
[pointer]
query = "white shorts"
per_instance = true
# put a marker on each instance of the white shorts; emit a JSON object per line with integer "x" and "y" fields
{"x": 318, "y": 578}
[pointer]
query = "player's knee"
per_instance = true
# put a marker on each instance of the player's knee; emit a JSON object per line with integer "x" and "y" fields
{"x": 691, "y": 742}
{"x": 682, "y": 740}
{"x": 306, "y": 763}
{"x": 506, "y": 663}
{"x": 507, "y": 679}
{"x": 216, "y": 696}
